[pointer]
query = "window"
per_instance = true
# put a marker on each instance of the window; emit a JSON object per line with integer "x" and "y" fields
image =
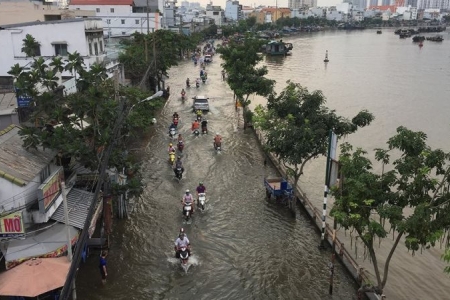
{"x": 108, "y": 21}
{"x": 215, "y": 13}
{"x": 78, "y": 8}
{"x": 60, "y": 49}
{"x": 124, "y": 32}
{"x": 122, "y": 21}
{"x": 97, "y": 9}
{"x": 101, "y": 46}
{"x": 111, "y": 10}
{"x": 96, "y": 48}
{"x": 90, "y": 49}
{"x": 136, "y": 21}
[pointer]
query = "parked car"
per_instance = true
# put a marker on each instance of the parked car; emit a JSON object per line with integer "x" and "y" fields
{"x": 200, "y": 103}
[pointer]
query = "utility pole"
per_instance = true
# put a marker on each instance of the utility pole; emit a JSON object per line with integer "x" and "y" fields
{"x": 69, "y": 239}
{"x": 148, "y": 22}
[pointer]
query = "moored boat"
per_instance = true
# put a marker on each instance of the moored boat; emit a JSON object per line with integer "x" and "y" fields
{"x": 278, "y": 48}
{"x": 437, "y": 38}
{"x": 418, "y": 38}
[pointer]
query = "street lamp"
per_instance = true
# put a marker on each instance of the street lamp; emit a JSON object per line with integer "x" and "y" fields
{"x": 156, "y": 95}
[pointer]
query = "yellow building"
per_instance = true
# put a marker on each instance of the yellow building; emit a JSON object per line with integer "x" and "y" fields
{"x": 271, "y": 14}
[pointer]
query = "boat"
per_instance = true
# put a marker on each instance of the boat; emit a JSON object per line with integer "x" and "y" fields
{"x": 379, "y": 32}
{"x": 326, "y": 57}
{"x": 275, "y": 48}
{"x": 437, "y": 38}
{"x": 418, "y": 38}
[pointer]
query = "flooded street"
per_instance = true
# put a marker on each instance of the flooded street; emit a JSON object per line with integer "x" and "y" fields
{"x": 243, "y": 246}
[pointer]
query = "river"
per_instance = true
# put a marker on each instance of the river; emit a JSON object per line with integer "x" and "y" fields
{"x": 244, "y": 247}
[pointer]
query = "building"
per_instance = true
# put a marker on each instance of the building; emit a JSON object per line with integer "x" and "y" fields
{"x": 216, "y": 13}
{"x": 56, "y": 38}
{"x": 26, "y": 11}
{"x": 297, "y": 4}
{"x": 233, "y": 10}
{"x": 426, "y": 4}
{"x": 271, "y": 14}
{"x": 373, "y": 2}
{"x": 302, "y": 13}
{"x": 124, "y": 17}
{"x": 247, "y": 11}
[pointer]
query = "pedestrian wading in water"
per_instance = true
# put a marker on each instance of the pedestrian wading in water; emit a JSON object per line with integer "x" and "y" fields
{"x": 102, "y": 266}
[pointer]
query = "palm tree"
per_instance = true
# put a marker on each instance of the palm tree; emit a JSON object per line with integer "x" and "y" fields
{"x": 75, "y": 63}
{"x": 30, "y": 46}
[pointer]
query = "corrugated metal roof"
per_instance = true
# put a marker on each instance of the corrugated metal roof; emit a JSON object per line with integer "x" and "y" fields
{"x": 18, "y": 162}
{"x": 78, "y": 203}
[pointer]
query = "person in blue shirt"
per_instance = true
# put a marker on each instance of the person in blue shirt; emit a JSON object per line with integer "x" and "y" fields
{"x": 102, "y": 266}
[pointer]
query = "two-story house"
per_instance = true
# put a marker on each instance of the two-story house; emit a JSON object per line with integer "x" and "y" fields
{"x": 124, "y": 17}
{"x": 30, "y": 201}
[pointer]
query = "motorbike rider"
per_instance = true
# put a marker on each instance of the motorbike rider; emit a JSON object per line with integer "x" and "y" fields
{"x": 217, "y": 140}
{"x": 178, "y": 164}
{"x": 197, "y": 82}
{"x": 182, "y": 231}
{"x": 195, "y": 125}
{"x": 180, "y": 138}
{"x": 200, "y": 189}
{"x": 171, "y": 148}
{"x": 172, "y": 126}
{"x": 175, "y": 115}
{"x": 188, "y": 84}
{"x": 188, "y": 198}
{"x": 202, "y": 72}
{"x": 182, "y": 242}
{"x": 204, "y": 125}
{"x": 183, "y": 93}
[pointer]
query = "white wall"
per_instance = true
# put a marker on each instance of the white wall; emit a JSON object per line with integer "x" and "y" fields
{"x": 231, "y": 11}
{"x": 218, "y": 19}
{"x": 71, "y": 32}
{"x": 335, "y": 15}
{"x": 123, "y": 13}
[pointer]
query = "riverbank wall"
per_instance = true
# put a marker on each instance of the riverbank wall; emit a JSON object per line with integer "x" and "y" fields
{"x": 357, "y": 272}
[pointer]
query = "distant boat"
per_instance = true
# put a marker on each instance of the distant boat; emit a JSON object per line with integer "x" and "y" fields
{"x": 437, "y": 38}
{"x": 275, "y": 48}
{"x": 326, "y": 57}
{"x": 418, "y": 38}
{"x": 379, "y": 32}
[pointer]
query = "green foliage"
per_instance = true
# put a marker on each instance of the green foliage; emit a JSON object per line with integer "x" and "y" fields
{"x": 446, "y": 258}
{"x": 30, "y": 46}
{"x": 296, "y": 124}
{"x": 243, "y": 75}
{"x": 417, "y": 180}
{"x": 161, "y": 49}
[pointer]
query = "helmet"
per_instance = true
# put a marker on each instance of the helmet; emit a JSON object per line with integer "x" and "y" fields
{"x": 175, "y": 113}
{"x": 217, "y": 133}
{"x": 179, "y": 157}
{"x": 187, "y": 191}
{"x": 181, "y": 230}
{"x": 201, "y": 183}
{"x": 170, "y": 144}
{"x": 181, "y": 235}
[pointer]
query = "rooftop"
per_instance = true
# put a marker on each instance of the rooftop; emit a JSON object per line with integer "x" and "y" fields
{"x": 47, "y": 22}
{"x": 18, "y": 165}
{"x": 101, "y": 2}
{"x": 78, "y": 204}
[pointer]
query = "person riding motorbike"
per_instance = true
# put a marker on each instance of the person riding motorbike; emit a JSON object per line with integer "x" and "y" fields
{"x": 197, "y": 82}
{"x": 175, "y": 115}
{"x": 172, "y": 126}
{"x": 195, "y": 125}
{"x": 188, "y": 84}
{"x": 183, "y": 232}
{"x": 202, "y": 72}
{"x": 204, "y": 125}
{"x": 182, "y": 242}
{"x": 187, "y": 198}
{"x": 180, "y": 138}
{"x": 217, "y": 140}
{"x": 223, "y": 74}
{"x": 183, "y": 94}
{"x": 200, "y": 189}
{"x": 171, "y": 148}
{"x": 178, "y": 165}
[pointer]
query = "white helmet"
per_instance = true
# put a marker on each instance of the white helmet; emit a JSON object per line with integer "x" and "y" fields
{"x": 217, "y": 133}
{"x": 187, "y": 191}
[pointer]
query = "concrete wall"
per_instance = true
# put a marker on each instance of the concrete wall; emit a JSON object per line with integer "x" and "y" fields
{"x": 20, "y": 12}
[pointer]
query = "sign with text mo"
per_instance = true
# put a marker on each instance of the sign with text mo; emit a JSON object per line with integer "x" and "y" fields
{"x": 50, "y": 190}
{"x": 11, "y": 225}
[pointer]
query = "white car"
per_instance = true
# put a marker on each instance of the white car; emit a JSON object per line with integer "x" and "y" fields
{"x": 208, "y": 58}
{"x": 200, "y": 103}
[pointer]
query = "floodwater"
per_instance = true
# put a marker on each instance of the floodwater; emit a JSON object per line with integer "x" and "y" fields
{"x": 245, "y": 247}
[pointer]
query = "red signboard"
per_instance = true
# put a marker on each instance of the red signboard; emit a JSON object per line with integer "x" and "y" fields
{"x": 50, "y": 190}
{"x": 11, "y": 225}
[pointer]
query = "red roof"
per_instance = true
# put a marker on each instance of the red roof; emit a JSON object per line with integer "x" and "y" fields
{"x": 101, "y": 2}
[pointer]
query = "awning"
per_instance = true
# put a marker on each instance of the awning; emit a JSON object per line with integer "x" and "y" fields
{"x": 78, "y": 203}
{"x": 35, "y": 277}
{"x": 50, "y": 242}
{"x": 58, "y": 42}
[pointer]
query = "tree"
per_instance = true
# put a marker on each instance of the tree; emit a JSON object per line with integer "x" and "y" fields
{"x": 243, "y": 77}
{"x": 413, "y": 196}
{"x": 30, "y": 46}
{"x": 446, "y": 258}
{"x": 296, "y": 125}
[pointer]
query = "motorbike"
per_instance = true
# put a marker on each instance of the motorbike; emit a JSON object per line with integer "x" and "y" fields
{"x": 218, "y": 147}
{"x": 172, "y": 132}
{"x": 196, "y": 132}
{"x": 204, "y": 78}
{"x": 179, "y": 173}
{"x": 184, "y": 258}
{"x": 171, "y": 158}
{"x": 202, "y": 200}
{"x": 204, "y": 130}
{"x": 180, "y": 146}
{"x": 187, "y": 210}
{"x": 197, "y": 84}
{"x": 188, "y": 84}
